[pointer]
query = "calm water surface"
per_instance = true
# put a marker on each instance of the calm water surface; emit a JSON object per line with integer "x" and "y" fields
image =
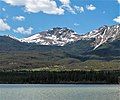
{"x": 59, "y": 92}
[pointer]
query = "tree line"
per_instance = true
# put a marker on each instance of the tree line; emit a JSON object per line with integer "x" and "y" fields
{"x": 60, "y": 77}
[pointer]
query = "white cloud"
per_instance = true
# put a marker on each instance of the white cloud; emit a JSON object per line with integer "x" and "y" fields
{"x": 76, "y": 24}
{"x": 118, "y": 1}
{"x": 3, "y": 25}
{"x": 79, "y": 9}
{"x": 19, "y": 18}
{"x": 117, "y": 19}
{"x": 46, "y": 6}
{"x": 3, "y": 9}
{"x": 73, "y": 9}
{"x": 68, "y": 8}
{"x": 16, "y": 2}
{"x": 22, "y": 30}
{"x": 65, "y": 2}
{"x": 91, "y": 7}
{"x": 35, "y": 6}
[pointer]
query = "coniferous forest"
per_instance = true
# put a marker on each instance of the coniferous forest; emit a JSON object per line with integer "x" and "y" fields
{"x": 60, "y": 77}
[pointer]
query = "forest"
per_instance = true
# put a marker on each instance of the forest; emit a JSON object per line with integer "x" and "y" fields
{"x": 60, "y": 77}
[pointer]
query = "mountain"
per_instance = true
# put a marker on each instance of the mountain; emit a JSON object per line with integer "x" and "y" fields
{"x": 98, "y": 49}
{"x": 65, "y": 40}
{"x": 103, "y": 35}
{"x": 56, "y": 36}
{"x": 62, "y": 36}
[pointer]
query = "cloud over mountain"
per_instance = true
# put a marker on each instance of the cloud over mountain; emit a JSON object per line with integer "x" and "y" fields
{"x": 22, "y": 30}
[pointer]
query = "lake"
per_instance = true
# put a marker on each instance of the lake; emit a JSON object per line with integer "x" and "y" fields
{"x": 59, "y": 92}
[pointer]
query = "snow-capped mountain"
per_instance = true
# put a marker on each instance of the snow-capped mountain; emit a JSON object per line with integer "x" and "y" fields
{"x": 56, "y": 36}
{"x": 103, "y": 34}
{"x": 61, "y": 36}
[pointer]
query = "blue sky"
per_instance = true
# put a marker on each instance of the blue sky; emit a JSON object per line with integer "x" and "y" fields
{"x": 22, "y": 18}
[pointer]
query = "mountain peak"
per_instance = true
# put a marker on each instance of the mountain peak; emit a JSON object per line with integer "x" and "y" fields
{"x": 56, "y": 36}
{"x": 104, "y": 34}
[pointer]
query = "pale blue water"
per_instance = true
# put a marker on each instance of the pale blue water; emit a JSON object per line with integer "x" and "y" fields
{"x": 59, "y": 92}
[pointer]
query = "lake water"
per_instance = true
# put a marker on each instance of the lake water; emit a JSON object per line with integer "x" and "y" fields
{"x": 59, "y": 92}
